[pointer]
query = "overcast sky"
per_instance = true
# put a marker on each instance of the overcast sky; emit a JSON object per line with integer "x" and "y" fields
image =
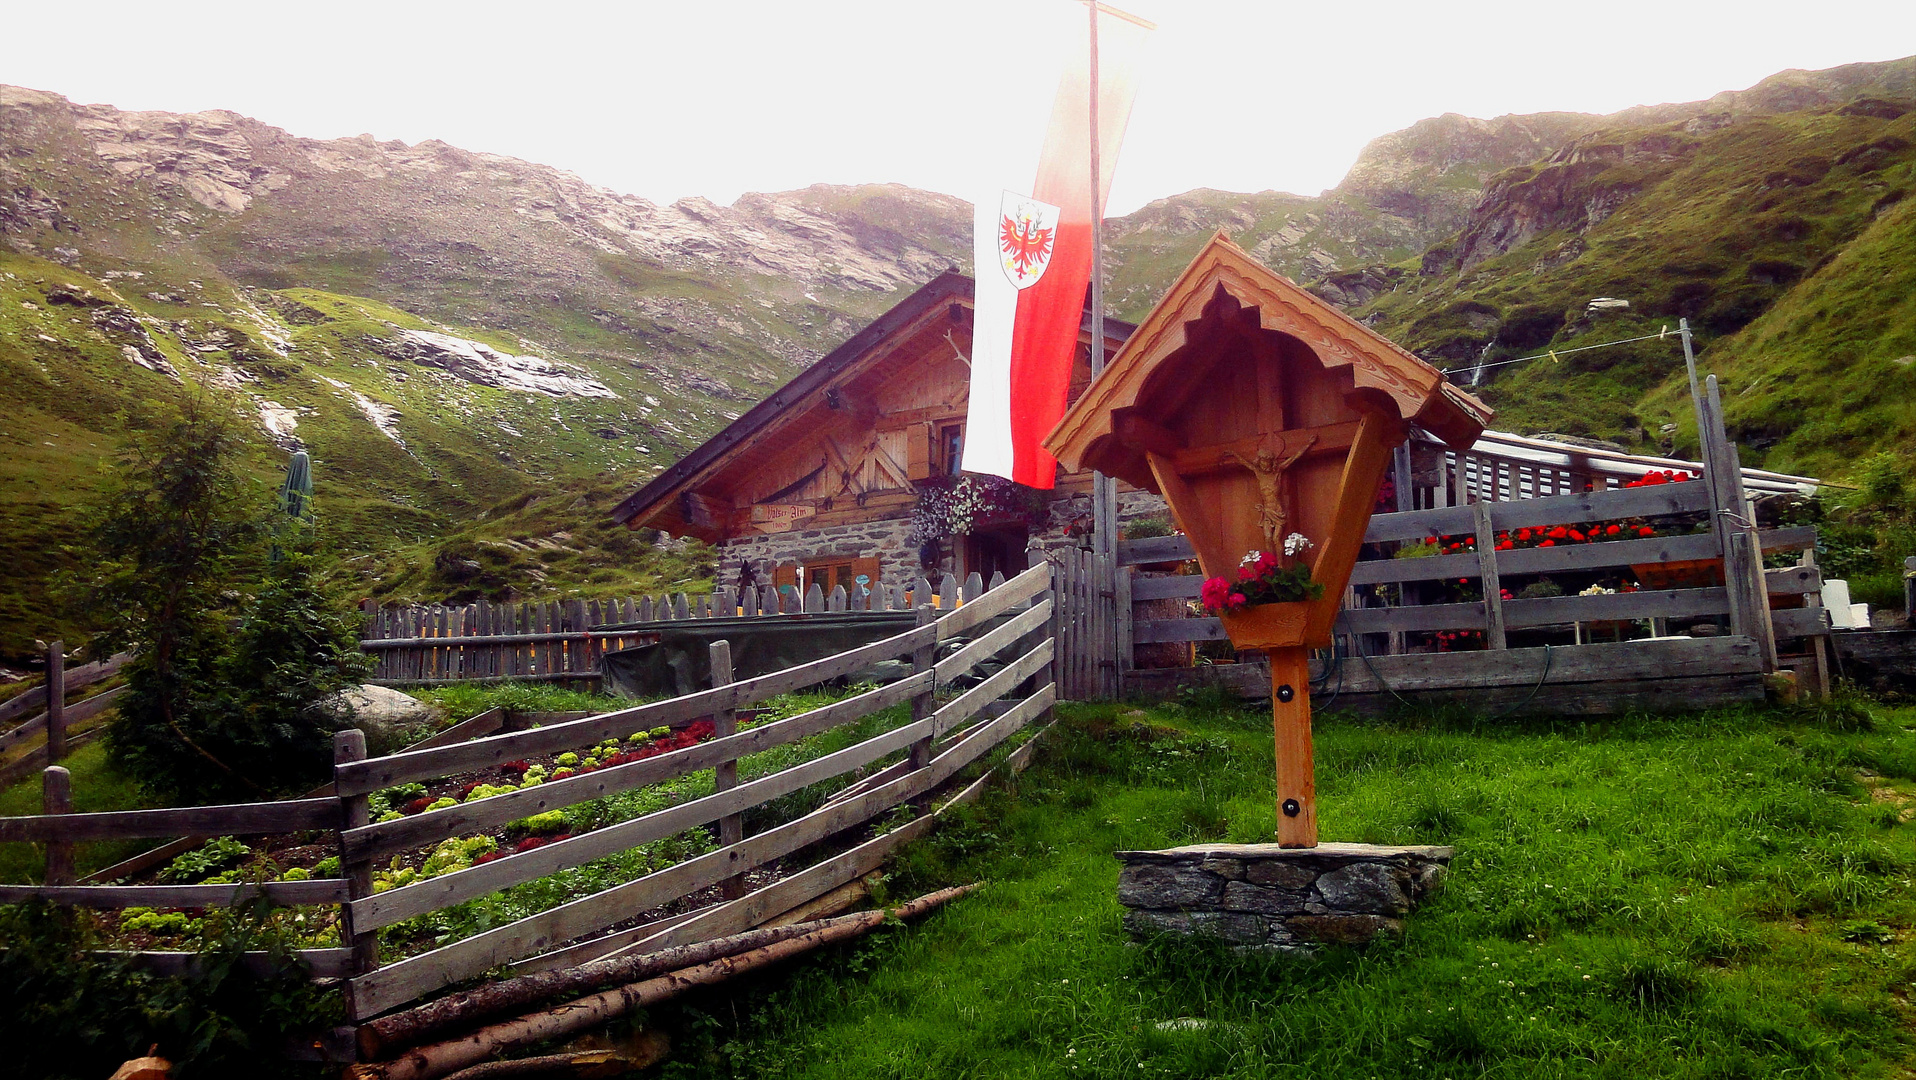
{"x": 672, "y": 99}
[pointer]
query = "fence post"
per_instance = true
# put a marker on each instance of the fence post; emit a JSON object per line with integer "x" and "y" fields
{"x": 56, "y": 703}
{"x": 725, "y": 773}
{"x": 922, "y": 659}
{"x": 350, "y": 746}
{"x": 1742, "y": 555}
{"x": 1493, "y": 585}
{"x": 56, "y": 797}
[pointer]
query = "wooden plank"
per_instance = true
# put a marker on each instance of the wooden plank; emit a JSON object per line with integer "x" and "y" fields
{"x": 378, "y": 773}
{"x": 56, "y": 798}
{"x": 56, "y": 722}
{"x": 406, "y": 979}
{"x": 1492, "y": 582}
{"x": 1426, "y": 617}
{"x": 76, "y": 679}
{"x": 1153, "y": 549}
{"x": 1666, "y": 603}
{"x": 725, "y": 773}
{"x": 284, "y": 893}
{"x": 1201, "y": 628}
{"x": 76, "y": 714}
{"x": 419, "y": 830}
{"x": 996, "y": 602}
{"x": 603, "y": 945}
{"x": 240, "y": 819}
{"x": 1800, "y": 622}
{"x": 1121, "y": 609}
{"x": 433, "y": 894}
{"x": 319, "y": 963}
{"x": 357, "y": 872}
{"x": 989, "y": 645}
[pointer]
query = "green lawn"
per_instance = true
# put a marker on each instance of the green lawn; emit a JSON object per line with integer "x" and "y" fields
{"x": 96, "y": 787}
{"x": 1705, "y": 896}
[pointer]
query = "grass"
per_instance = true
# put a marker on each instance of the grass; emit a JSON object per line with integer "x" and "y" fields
{"x": 97, "y": 786}
{"x": 1718, "y": 895}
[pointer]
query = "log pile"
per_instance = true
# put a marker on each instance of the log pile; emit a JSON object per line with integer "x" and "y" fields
{"x": 635, "y": 982}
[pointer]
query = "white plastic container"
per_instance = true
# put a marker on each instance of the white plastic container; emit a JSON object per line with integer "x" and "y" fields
{"x": 1836, "y": 598}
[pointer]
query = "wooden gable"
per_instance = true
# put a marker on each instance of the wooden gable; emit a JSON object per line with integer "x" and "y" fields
{"x": 844, "y": 441}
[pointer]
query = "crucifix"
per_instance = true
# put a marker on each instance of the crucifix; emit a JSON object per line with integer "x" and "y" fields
{"x": 1272, "y": 509}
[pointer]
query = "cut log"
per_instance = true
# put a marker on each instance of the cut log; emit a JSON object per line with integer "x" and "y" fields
{"x": 443, "y": 1058}
{"x": 595, "y": 1063}
{"x": 150, "y": 1067}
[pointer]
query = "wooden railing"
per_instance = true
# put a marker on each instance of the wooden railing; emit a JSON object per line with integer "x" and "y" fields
{"x": 943, "y": 735}
{"x": 1501, "y": 467}
{"x": 563, "y": 640}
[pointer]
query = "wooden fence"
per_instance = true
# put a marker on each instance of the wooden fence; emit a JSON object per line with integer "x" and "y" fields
{"x": 60, "y": 726}
{"x": 563, "y": 640}
{"x": 1474, "y": 497}
{"x": 1374, "y": 629}
{"x": 946, "y": 732}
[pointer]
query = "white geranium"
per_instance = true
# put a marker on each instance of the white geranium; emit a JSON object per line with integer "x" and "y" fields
{"x": 1297, "y": 542}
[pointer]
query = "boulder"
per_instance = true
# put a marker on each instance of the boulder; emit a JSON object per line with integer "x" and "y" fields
{"x": 389, "y": 718}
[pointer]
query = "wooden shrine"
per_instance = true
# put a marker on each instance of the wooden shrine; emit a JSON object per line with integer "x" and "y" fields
{"x": 1260, "y": 411}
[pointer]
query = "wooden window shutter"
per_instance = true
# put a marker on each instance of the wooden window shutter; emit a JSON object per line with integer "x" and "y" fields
{"x": 785, "y": 574}
{"x": 918, "y": 446}
{"x": 867, "y": 567}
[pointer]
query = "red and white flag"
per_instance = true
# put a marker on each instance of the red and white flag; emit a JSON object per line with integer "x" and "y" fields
{"x": 1032, "y": 258}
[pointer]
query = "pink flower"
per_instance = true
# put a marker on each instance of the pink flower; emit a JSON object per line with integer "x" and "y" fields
{"x": 1214, "y": 593}
{"x": 1234, "y": 601}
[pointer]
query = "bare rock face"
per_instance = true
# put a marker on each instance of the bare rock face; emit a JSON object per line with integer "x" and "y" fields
{"x": 477, "y": 362}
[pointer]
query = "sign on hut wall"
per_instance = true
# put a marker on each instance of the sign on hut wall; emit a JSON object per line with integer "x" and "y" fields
{"x": 780, "y": 517}
{"x": 1266, "y": 419}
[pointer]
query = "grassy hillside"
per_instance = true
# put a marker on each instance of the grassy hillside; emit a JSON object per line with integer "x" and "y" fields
{"x": 1714, "y": 225}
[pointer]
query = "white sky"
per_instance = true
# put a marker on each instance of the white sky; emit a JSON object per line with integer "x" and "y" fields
{"x": 672, "y": 99}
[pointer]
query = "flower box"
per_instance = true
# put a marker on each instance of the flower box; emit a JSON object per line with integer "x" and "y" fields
{"x": 1680, "y": 574}
{"x": 1268, "y": 626}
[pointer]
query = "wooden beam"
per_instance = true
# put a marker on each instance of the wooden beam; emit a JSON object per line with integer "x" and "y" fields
{"x": 1377, "y": 435}
{"x": 1177, "y": 493}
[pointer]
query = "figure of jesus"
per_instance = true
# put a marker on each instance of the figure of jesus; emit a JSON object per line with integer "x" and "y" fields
{"x": 1272, "y": 513}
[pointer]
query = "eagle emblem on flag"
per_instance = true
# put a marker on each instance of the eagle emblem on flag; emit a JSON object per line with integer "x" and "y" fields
{"x": 1027, "y": 235}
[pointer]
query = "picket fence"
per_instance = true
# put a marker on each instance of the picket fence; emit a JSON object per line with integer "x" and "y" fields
{"x": 563, "y": 640}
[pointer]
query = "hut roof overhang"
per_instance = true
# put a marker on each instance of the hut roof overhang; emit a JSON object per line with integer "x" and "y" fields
{"x": 657, "y": 501}
{"x": 1092, "y": 434}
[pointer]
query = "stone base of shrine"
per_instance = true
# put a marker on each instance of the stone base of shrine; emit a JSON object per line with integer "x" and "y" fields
{"x": 1282, "y": 900}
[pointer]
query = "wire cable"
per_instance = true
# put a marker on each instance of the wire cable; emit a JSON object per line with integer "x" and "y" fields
{"x": 1551, "y": 354}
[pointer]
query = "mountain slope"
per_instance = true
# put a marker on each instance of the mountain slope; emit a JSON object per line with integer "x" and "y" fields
{"x": 473, "y": 347}
{"x": 1411, "y": 189}
{"x": 1714, "y": 219}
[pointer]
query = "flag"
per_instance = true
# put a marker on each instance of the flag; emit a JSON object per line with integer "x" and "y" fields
{"x": 1032, "y": 257}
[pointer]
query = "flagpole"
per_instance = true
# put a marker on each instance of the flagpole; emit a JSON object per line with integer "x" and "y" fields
{"x": 1104, "y": 491}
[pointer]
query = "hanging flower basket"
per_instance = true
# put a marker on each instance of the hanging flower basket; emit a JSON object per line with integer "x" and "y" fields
{"x": 1680, "y": 574}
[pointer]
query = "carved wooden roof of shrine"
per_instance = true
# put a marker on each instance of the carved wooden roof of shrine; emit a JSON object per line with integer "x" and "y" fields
{"x": 1419, "y": 392}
